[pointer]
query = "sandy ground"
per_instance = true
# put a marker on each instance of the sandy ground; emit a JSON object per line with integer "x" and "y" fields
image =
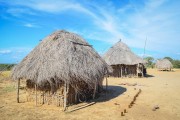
{"x": 162, "y": 89}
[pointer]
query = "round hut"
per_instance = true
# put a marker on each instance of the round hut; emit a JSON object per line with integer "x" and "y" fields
{"x": 63, "y": 68}
{"x": 164, "y": 64}
{"x": 123, "y": 61}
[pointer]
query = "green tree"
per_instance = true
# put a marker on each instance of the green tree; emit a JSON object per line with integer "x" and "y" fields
{"x": 4, "y": 67}
{"x": 176, "y": 63}
{"x": 169, "y": 58}
{"x": 149, "y": 61}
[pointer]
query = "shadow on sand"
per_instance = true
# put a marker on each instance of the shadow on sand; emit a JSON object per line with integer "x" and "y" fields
{"x": 147, "y": 75}
{"x": 112, "y": 92}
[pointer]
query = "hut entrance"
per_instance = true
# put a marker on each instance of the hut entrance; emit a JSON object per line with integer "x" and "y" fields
{"x": 141, "y": 71}
{"x": 124, "y": 70}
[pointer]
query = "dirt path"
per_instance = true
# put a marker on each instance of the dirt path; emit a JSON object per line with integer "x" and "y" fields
{"x": 163, "y": 89}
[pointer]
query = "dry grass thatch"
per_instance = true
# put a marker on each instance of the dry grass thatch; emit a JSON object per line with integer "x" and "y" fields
{"x": 120, "y": 53}
{"x": 62, "y": 57}
{"x": 164, "y": 64}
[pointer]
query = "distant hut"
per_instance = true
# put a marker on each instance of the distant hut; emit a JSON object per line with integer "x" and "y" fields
{"x": 123, "y": 61}
{"x": 63, "y": 69}
{"x": 164, "y": 64}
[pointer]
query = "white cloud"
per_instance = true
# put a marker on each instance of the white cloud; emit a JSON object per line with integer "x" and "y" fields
{"x": 145, "y": 55}
{"x": 52, "y": 6}
{"x": 17, "y": 12}
{"x": 158, "y": 20}
{"x": 100, "y": 17}
{"x": 31, "y": 25}
{"x": 15, "y": 54}
{"x": 5, "y": 51}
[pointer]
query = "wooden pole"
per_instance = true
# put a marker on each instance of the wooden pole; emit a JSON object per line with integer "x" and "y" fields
{"x": 94, "y": 91}
{"x": 75, "y": 96}
{"x": 86, "y": 105}
{"x": 137, "y": 69}
{"x": 67, "y": 94}
{"x": 65, "y": 98}
{"x": 106, "y": 83}
{"x": 36, "y": 93}
{"x": 18, "y": 84}
{"x": 121, "y": 71}
{"x": 142, "y": 71}
{"x": 43, "y": 98}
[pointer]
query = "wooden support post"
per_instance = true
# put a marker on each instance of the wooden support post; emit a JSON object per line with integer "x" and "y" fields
{"x": 43, "y": 102}
{"x": 65, "y": 97}
{"x": 75, "y": 96}
{"x": 36, "y": 93}
{"x": 67, "y": 93}
{"x": 142, "y": 71}
{"x": 121, "y": 71}
{"x": 137, "y": 69}
{"x": 18, "y": 84}
{"x": 106, "y": 83}
{"x": 94, "y": 91}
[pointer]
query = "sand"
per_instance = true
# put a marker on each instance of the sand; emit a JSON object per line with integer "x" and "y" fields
{"x": 161, "y": 89}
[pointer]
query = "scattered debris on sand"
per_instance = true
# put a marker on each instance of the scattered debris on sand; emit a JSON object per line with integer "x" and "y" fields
{"x": 134, "y": 99}
{"x": 1, "y": 106}
{"x": 116, "y": 104}
{"x": 155, "y": 108}
{"x": 80, "y": 107}
{"x": 129, "y": 84}
{"x": 132, "y": 84}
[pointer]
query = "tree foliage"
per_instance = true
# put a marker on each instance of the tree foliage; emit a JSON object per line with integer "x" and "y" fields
{"x": 176, "y": 63}
{"x": 6, "y": 67}
{"x": 170, "y": 59}
{"x": 149, "y": 61}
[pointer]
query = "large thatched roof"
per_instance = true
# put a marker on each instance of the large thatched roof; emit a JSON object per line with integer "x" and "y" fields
{"x": 120, "y": 53}
{"x": 62, "y": 56}
{"x": 163, "y": 64}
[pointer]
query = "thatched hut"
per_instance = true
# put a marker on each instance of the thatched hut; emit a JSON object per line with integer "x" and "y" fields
{"x": 123, "y": 61}
{"x": 63, "y": 66}
{"x": 164, "y": 64}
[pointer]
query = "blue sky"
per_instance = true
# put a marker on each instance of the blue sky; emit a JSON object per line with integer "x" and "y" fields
{"x": 23, "y": 23}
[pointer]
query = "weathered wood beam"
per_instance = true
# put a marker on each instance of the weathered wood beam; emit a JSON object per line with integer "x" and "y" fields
{"x": 18, "y": 84}
{"x": 94, "y": 95}
{"x": 36, "y": 92}
{"x": 65, "y": 95}
{"x": 86, "y": 105}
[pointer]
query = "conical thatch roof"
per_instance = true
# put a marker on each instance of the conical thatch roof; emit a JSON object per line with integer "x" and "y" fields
{"x": 163, "y": 64}
{"x": 120, "y": 53}
{"x": 62, "y": 56}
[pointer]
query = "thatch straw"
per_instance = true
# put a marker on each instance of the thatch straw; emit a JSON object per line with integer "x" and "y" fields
{"x": 60, "y": 57}
{"x": 120, "y": 53}
{"x": 164, "y": 64}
